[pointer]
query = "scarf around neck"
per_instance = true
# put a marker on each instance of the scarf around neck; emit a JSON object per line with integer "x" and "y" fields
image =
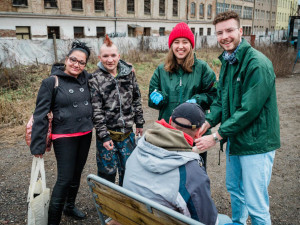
{"x": 231, "y": 57}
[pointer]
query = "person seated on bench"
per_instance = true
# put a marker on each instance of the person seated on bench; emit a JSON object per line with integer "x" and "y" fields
{"x": 163, "y": 167}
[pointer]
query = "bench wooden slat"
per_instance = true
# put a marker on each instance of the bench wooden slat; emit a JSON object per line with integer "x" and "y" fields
{"x": 125, "y": 206}
{"x": 129, "y": 208}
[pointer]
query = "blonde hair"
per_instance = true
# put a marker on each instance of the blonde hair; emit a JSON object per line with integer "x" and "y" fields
{"x": 171, "y": 64}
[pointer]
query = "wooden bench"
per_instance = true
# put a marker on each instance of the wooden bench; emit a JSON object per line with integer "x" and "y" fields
{"x": 128, "y": 208}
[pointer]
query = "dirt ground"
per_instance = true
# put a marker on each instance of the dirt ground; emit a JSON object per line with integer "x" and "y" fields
{"x": 15, "y": 166}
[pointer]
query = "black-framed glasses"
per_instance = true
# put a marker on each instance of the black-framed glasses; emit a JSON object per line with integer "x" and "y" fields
{"x": 228, "y": 31}
{"x": 74, "y": 60}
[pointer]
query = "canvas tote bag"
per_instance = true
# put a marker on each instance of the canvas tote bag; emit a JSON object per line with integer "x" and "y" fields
{"x": 38, "y": 195}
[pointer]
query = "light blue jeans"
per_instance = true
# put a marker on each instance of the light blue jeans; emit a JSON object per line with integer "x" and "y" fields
{"x": 247, "y": 181}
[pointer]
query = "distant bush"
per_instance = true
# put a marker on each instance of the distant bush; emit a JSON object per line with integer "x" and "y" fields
{"x": 282, "y": 58}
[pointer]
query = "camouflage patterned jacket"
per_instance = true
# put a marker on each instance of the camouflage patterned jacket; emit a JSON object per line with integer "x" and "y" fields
{"x": 116, "y": 101}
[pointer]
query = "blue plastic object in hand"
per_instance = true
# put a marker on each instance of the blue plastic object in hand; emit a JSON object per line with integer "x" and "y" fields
{"x": 156, "y": 97}
{"x": 191, "y": 101}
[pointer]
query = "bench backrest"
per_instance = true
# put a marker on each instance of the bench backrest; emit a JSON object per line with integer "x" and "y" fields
{"x": 128, "y": 208}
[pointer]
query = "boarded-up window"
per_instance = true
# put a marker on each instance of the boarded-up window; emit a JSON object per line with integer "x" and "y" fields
{"x": 200, "y": 31}
{"x": 201, "y": 11}
{"x": 50, "y": 4}
{"x": 147, "y": 6}
{"x": 161, "y": 31}
{"x": 23, "y": 32}
{"x": 162, "y": 7}
{"x": 130, "y": 6}
{"x": 76, "y": 4}
{"x": 53, "y": 30}
{"x": 100, "y": 32}
{"x": 20, "y": 2}
{"x": 99, "y": 5}
{"x": 193, "y": 9}
{"x": 78, "y": 32}
{"x": 175, "y": 7}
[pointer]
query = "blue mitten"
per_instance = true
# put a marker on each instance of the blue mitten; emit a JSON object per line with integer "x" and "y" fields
{"x": 191, "y": 101}
{"x": 156, "y": 97}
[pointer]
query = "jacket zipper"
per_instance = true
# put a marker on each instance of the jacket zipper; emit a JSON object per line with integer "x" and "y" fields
{"x": 121, "y": 112}
{"x": 180, "y": 90}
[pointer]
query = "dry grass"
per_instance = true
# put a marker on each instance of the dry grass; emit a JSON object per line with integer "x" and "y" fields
{"x": 282, "y": 58}
{"x": 19, "y": 85}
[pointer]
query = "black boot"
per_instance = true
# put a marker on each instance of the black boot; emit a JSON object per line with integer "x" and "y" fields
{"x": 55, "y": 210}
{"x": 70, "y": 208}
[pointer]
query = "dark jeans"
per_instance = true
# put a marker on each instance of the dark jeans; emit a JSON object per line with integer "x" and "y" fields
{"x": 71, "y": 155}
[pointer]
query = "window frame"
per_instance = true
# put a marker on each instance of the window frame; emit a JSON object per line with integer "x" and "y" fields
{"x": 101, "y": 4}
{"x": 130, "y": 6}
{"x": 76, "y": 36}
{"x": 23, "y": 33}
{"x": 77, "y": 5}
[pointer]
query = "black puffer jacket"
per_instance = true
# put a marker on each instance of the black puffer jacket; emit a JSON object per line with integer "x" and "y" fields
{"x": 72, "y": 110}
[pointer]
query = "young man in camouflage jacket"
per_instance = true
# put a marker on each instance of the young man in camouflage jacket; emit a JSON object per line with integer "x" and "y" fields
{"x": 116, "y": 101}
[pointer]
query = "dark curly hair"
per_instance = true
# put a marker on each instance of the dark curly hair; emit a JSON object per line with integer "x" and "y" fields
{"x": 227, "y": 16}
{"x": 80, "y": 46}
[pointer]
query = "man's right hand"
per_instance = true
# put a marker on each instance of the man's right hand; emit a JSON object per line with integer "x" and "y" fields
{"x": 109, "y": 145}
{"x": 204, "y": 128}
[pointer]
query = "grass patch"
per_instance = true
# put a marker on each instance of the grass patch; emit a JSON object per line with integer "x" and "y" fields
{"x": 19, "y": 85}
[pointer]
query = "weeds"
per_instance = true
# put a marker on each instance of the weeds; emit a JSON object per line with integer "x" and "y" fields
{"x": 281, "y": 57}
{"x": 19, "y": 85}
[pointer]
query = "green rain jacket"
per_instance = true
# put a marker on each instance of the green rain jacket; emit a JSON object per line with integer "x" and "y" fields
{"x": 246, "y": 103}
{"x": 181, "y": 86}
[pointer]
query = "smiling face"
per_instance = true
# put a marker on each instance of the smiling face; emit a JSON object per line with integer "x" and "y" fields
{"x": 181, "y": 48}
{"x": 229, "y": 34}
{"x": 75, "y": 63}
{"x": 109, "y": 57}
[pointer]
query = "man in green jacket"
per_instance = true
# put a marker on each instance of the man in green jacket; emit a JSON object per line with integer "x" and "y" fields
{"x": 247, "y": 109}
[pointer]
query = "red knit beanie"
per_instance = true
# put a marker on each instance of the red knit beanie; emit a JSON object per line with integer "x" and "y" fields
{"x": 181, "y": 30}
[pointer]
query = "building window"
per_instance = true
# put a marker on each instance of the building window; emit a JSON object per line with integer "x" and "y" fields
{"x": 161, "y": 31}
{"x": 131, "y": 31}
{"x": 23, "y": 32}
{"x": 193, "y": 9}
{"x": 162, "y": 7}
{"x": 100, "y": 32}
{"x": 147, "y": 6}
{"x": 175, "y": 7}
{"x": 201, "y": 10}
{"x": 208, "y": 31}
{"x": 247, "y": 12}
{"x": 222, "y": 7}
{"x": 99, "y": 5}
{"x": 130, "y": 6}
{"x": 50, "y": 4}
{"x": 147, "y": 31}
{"x": 53, "y": 30}
{"x": 76, "y": 4}
{"x": 20, "y": 3}
{"x": 200, "y": 31}
{"x": 209, "y": 11}
{"x": 193, "y": 30}
{"x": 78, "y": 32}
{"x": 237, "y": 9}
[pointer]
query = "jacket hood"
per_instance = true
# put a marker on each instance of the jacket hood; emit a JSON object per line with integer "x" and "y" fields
{"x": 161, "y": 150}
{"x": 58, "y": 70}
{"x": 123, "y": 68}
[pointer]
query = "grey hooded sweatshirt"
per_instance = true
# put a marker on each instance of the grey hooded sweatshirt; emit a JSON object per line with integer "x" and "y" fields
{"x": 164, "y": 169}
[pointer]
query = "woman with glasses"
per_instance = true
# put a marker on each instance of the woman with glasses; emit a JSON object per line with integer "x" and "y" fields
{"x": 182, "y": 78}
{"x": 72, "y": 127}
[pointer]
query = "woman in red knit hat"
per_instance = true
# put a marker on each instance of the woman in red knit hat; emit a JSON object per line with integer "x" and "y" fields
{"x": 182, "y": 78}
